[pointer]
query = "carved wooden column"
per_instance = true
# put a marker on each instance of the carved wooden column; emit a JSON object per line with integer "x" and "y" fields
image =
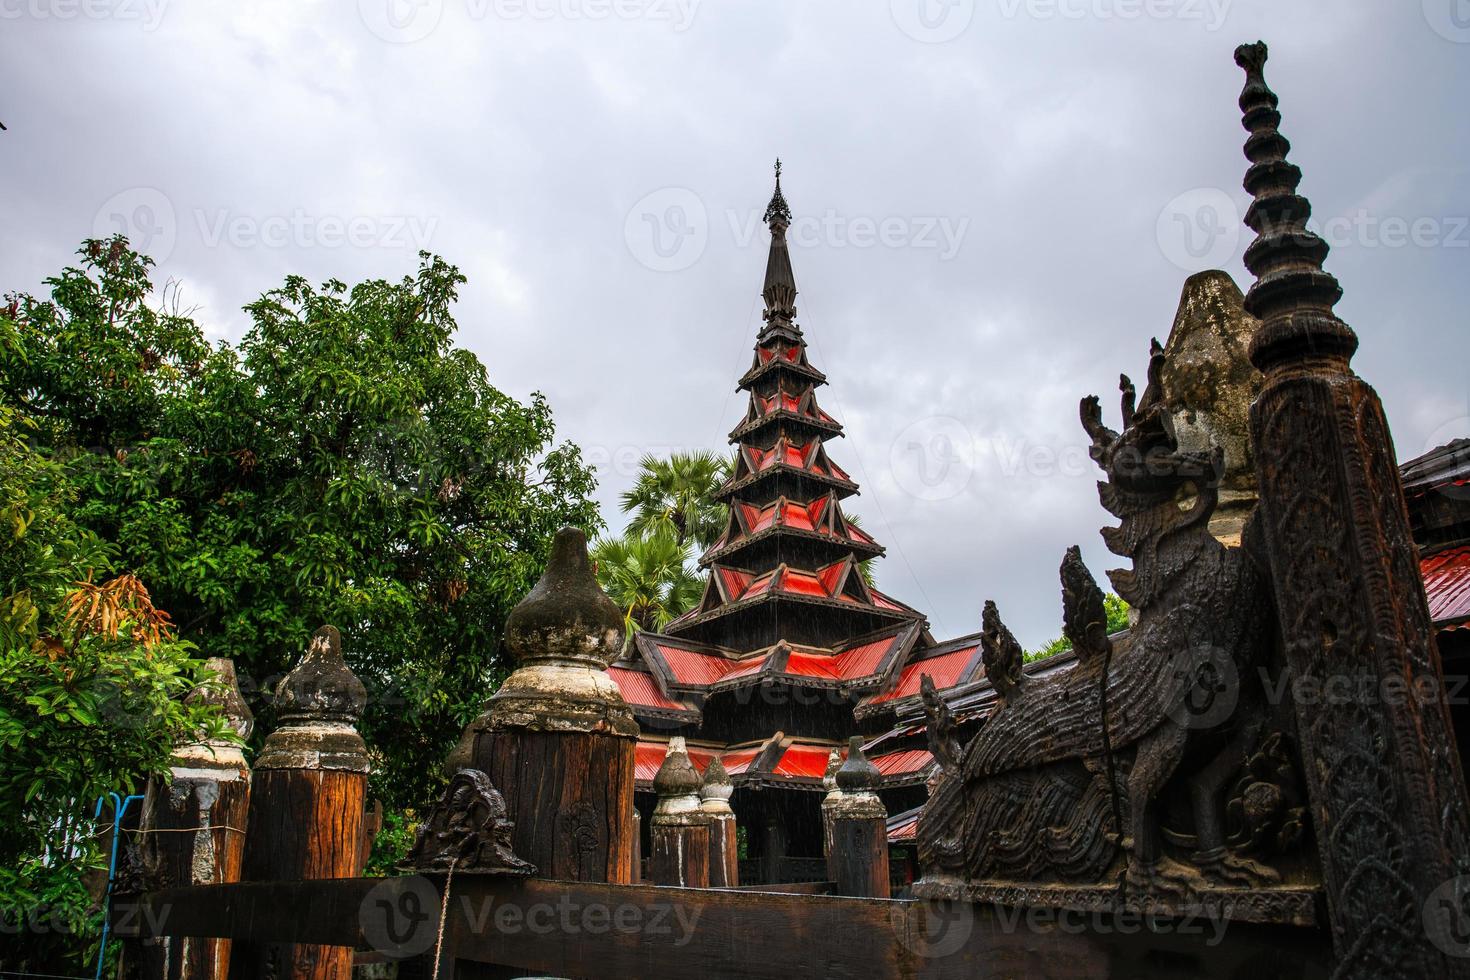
{"x": 679, "y": 842}
{"x": 306, "y": 804}
{"x": 1387, "y": 794}
{"x": 192, "y": 829}
{"x": 830, "y": 801}
{"x": 724, "y": 844}
{"x": 858, "y": 862}
{"x": 557, "y": 739}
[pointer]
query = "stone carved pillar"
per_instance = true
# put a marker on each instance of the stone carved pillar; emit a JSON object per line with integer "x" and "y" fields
{"x": 858, "y": 863}
{"x": 192, "y": 829}
{"x": 679, "y": 839}
{"x": 724, "y": 845}
{"x": 306, "y": 804}
{"x": 1388, "y": 797}
{"x": 557, "y": 739}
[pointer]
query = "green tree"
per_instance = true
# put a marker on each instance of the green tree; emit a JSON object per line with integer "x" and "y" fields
{"x": 91, "y": 685}
{"x": 648, "y": 577}
{"x": 675, "y": 496}
{"x": 346, "y": 464}
{"x": 1117, "y": 613}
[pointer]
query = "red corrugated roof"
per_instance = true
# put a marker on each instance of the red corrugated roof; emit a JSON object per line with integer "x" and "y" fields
{"x": 639, "y": 688}
{"x": 903, "y": 762}
{"x": 863, "y": 660}
{"x": 690, "y": 667}
{"x": 803, "y": 761}
{"x": 1447, "y": 584}
{"x": 903, "y": 829}
{"x": 945, "y": 669}
{"x": 739, "y": 760}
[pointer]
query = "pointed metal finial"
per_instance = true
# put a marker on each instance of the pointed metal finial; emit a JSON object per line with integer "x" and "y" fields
{"x": 777, "y": 212}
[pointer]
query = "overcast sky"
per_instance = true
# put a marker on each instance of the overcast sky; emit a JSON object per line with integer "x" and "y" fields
{"x": 997, "y": 203}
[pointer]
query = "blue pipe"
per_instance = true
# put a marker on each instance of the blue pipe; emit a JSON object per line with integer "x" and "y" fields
{"x": 119, "y": 810}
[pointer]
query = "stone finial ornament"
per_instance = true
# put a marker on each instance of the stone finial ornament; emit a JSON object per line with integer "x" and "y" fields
{"x": 223, "y": 692}
{"x": 715, "y": 791}
{"x": 677, "y": 785}
{"x": 563, "y": 635}
{"x": 858, "y": 779}
{"x": 319, "y": 703}
{"x": 829, "y": 777}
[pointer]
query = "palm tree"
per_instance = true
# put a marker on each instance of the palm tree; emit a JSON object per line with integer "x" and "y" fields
{"x": 648, "y": 577}
{"x": 675, "y": 496}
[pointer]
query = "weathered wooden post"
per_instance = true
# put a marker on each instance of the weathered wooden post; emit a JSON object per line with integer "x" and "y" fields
{"x": 724, "y": 845}
{"x": 830, "y": 801}
{"x": 306, "y": 804}
{"x": 192, "y": 829}
{"x": 1387, "y": 794}
{"x": 558, "y": 739}
{"x": 679, "y": 847}
{"x": 858, "y": 863}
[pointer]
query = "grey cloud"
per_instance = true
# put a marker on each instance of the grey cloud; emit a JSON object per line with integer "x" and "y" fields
{"x": 335, "y": 139}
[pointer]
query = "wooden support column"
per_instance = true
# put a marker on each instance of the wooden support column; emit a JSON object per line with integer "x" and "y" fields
{"x": 1387, "y": 795}
{"x": 192, "y": 829}
{"x": 773, "y": 858}
{"x": 724, "y": 842}
{"x": 858, "y": 863}
{"x": 679, "y": 849}
{"x": 307, "y": 801}
{"x": 557, "y": 740}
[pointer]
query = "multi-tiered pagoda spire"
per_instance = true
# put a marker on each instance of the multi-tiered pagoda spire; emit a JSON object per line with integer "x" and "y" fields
{"x": 787, "y": 547}
{"x": 790, "y": 650}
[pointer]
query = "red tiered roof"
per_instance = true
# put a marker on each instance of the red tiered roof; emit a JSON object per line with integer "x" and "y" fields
{"x": 738, "y": 761}
{"x": 821, "y": 517}
{"x": 695, "y": 667}
{"x": 801, "y": 761}
{"x": 834, "y": 581}
{"x": 904, "y": 762}
{"x": 954, "y": 663}
{"x": 791, "y": 352}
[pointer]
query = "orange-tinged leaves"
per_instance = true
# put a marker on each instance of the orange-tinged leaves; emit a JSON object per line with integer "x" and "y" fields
{"x": 102, "y": 610}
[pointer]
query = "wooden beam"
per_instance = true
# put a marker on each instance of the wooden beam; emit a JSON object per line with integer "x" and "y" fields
{"x": 584, "y": 929}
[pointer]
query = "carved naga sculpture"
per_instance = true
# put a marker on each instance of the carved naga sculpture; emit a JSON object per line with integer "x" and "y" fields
{"x": 1069, "y": 780}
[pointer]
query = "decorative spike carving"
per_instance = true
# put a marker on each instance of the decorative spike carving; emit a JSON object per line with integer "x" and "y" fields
{"x": 1084, "y": 614}
{"x": 1001, "y": 653}
{"x": 939, "y": 727}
